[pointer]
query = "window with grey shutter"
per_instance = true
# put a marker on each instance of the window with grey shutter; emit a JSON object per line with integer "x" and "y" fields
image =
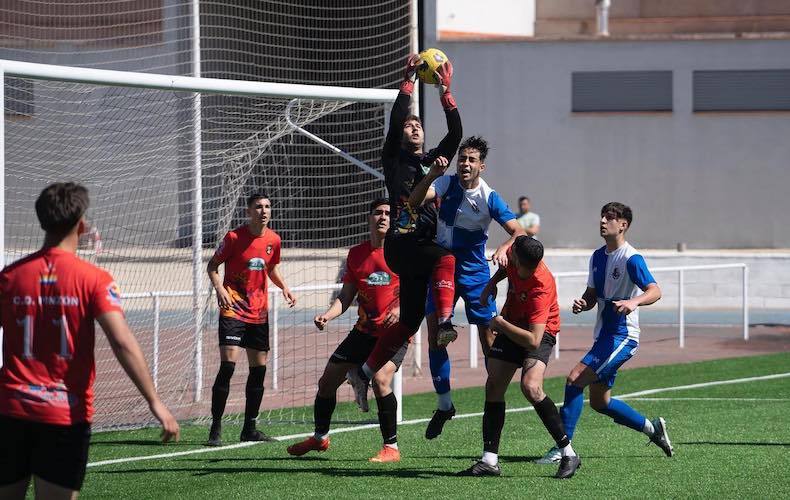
{"x": 749, "y": 90}
{"x": 621, "y": 91}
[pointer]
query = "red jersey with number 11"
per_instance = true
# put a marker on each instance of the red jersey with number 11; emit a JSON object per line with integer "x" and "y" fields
{"x": 377, "y": 286}
{"x": 48, "y": 302}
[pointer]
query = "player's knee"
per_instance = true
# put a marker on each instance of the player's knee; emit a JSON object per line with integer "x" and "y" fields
{"x": 533, "y": 391}
{"x": 381, "y": 383}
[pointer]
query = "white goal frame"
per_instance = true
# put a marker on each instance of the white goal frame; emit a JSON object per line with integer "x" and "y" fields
{"x": 184, "y": 84}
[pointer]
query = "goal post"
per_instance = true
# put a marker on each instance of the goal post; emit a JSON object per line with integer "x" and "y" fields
{"x": 126, "y": 135}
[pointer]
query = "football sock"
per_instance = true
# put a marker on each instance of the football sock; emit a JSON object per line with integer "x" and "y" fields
{"x": 440, "y": 373}
{"x": 648, "y": 428}
{"x": 322, "y": 414}
{"x": 388, "y": 419}
{"x": 490, "y": 458}
{"x": 493, "y": 422}
{"x": 220, "y": 390}
{"x": 387, "y": 345}
{"x": 443, "y": 287}
{"x": 624, "y": 415}
{"x": 572, "y": 408}
{"x": 254, "y": 393}
{"x": 567, "y": 451}
{"x": 394, "y": 446}
{"x": 547, "y": 411}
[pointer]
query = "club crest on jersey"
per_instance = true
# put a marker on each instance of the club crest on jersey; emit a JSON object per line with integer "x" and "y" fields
{"x": 256, "y": 264}
{"x": 616, "y": 273}
{"x": 379, "y": 278}
{"x": 269, "y": 249}
{"x": 114, "y": 294}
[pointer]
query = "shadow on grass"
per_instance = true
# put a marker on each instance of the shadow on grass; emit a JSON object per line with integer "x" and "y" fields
{"x": 326, "y": 471}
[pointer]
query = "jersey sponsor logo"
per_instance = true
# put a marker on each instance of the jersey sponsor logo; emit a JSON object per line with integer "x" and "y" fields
{"x": 379, "y": 278}
{"x": 256, "y": 264}
{"x": 616, "y": 273}
{"x": 114, "y": 294}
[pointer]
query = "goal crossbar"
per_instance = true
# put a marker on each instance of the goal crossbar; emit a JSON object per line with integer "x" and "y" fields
{"x": 192, "y": 84}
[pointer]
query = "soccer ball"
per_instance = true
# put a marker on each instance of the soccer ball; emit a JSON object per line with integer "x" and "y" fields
{"x": 431, "y": 60}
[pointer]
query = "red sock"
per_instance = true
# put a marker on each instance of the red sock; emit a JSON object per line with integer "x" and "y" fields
{"x": 388, "y": 344}
{"x": 443, "y": 287}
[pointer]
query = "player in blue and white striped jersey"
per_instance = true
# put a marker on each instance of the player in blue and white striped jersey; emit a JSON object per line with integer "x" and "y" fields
{"x": 467, "y": 207}
{"x": 618, "y": 283}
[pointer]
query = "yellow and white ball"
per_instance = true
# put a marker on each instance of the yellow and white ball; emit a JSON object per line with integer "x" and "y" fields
{"x": 431, "y": 60}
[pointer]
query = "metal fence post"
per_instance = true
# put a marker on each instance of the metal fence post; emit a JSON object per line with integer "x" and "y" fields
{"x": 275, "y": 339}
{"x": 155, "y": 361}
{"x": 745, "y": 300}
{"x": 557, "y": 337}
{"x": 397, "y": 389}
{"x": 681, "y": 312}
{"x": 417, "y": 345}
{"x": 473, "y": 346}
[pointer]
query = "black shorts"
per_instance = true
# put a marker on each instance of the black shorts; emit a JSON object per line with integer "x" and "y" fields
{"x": 357, "y": 346}
{"x": 55, "y": 453}
{"x": 506, "y": 350}
{"x": 248, "y": 335}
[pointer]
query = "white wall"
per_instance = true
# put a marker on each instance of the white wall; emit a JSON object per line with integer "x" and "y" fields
{"x": 491, "y": 17}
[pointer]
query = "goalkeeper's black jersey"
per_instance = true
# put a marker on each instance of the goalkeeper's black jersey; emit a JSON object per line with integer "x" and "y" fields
{"x": 404, "y": 170}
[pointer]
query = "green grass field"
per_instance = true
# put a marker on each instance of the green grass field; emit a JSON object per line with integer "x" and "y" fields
{"x": 730, "y": 440}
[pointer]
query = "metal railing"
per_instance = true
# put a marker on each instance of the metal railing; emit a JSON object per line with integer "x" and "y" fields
{"x": 275, "y": 301}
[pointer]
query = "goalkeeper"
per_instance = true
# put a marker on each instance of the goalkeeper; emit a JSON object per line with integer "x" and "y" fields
{"x": 409, "y": 249}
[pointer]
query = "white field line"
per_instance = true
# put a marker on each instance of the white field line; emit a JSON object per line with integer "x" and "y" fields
{"x": 633, "y": 395}
{"x": 711, "y": 399}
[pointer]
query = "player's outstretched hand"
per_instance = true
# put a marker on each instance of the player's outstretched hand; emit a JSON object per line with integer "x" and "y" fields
{"x": 411, "y": 66}
{"x": 488, "y": 291}
{"x": 320, "y": 321}
{"x": 624, "y": 307}
{"x": 444, "y": 74}
{"x": 392, "y": 317}
{"x": 170, "y": 428}
{"x": 289, "y": 297}
{"x": 579, "y": 305}
{"x": 439, "y": 166}
{"x": 500, "y": 257}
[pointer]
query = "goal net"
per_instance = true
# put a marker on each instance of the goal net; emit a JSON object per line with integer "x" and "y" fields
{"x": 138, "y": 151}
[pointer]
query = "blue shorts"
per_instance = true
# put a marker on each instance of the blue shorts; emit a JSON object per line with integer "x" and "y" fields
{"x": 608, "y": 353}
{"x": 476, "y": 313}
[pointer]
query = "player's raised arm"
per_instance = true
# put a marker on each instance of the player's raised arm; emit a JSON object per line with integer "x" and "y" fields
{"x": 490, "y": 289}
{"x": 501, "y": 213}
{"x": 338, "y": 307}
{"x": 130, "y": 356}
{"x": 424, "y": 190}
{"x": 455, "y": 131}
{"x": 400, "y": 108}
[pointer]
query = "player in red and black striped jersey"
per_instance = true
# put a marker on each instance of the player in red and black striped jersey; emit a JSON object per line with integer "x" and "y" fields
{"x": 251, "y": 255}
{"x": 526, "y": 332}
{"x": 410, "y": 249}
{"x": 48, "y": 303}
{"x": 376, "y": 287}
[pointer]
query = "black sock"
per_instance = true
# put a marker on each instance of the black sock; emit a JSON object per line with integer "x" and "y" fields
{"x": 220, "y": 390}
{"x": 493, "y": 422}
{"x": 322, "y": 413}
{"x": 388, "y": 418}
{"x": 254, "y": 393}
{"x": 548, "y": 413}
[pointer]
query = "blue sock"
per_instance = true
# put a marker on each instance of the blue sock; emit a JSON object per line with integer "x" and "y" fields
{"x": 572, "y": 408}
{"x": 624, "y": 414}
{"x": 440, "y": 370}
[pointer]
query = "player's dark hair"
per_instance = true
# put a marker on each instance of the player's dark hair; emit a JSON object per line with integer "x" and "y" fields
{"x": 60, "y": 207}
{"x": 377, "y": 203}
{"x": 256, "y": 196}
{"x": 528, "y": 250}
{"x": 522, "y": 198}
{"x": 619, "y": 210}
{"x": 414, "y": 118}
{"x": 475, "y": 142}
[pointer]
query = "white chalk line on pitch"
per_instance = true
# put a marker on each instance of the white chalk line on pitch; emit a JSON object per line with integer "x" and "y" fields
{"x": 632, "y": 395}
